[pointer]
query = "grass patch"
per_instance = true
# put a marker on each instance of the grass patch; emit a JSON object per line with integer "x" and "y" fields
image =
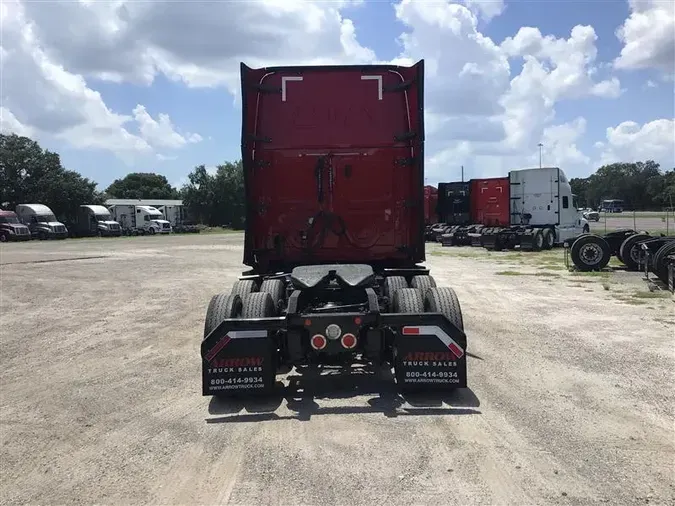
{"x": 547, "y": 275}
{"x": 592, "y": 274}
{"x": 553, "y": 267}
{"x": 651, "y": 295}
{"x": 219, "y": 230}
{"x": 509, "y": 273}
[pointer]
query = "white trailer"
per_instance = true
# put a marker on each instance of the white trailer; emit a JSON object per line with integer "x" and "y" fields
{"x": 136, "y": 219}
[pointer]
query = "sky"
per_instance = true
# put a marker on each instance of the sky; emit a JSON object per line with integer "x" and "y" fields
{"x": 123, "y": 86}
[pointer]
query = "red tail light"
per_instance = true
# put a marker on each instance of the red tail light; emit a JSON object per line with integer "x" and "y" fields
{"x": 318, "y": 342}
{"x": 348, "y": 341}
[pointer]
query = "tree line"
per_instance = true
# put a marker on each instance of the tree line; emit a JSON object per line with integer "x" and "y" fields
{"x": 30, "y": 174}
{"x": 642, "y": 186}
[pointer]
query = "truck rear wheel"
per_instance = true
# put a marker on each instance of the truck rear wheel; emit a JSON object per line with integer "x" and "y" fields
{"x": 243, "y": 287}
{"x": 659, "y": 266}
{"x": 537, "y": 240}
{"x": 444, "y": 300}
{"x": 590, "y": 252}
{"x": 422, "y": 283}
{"x": 276, "y": 288}
{"x": 408, "y": 300}
{"x": 258, "y": 305}
{"x": 549, "y": 238}
{"x": 393, "y": 284}
{"x": 221, "y": 307}
{"x": 629, "y": 251}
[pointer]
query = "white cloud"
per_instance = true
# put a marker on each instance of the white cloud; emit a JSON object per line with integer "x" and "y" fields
{"x": 632, "y": 142}
{"x": 161, "y": 132}
{"x": 650, "y": 84}
{"x": 648, "y": 36}
{"x": 10, "y": 125}
{"x": 487, "y": 9}
{"x": 487, "y": 104}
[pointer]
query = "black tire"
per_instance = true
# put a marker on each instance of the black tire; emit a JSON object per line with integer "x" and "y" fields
{"x": 243, "y": 287}
{"x": 537, "y": 240}
{"x": 258, "y": 305}
{"x": 590, "y": 252}
{"x": 422, "y": 283}
{"x": 629, "y": 251}
{"x": 151, "y": 231}
{"x": 659, "y": 267}
{"x": 277, "y": 289}
{"x": 392, "y": 284}
{"x": 408, "y": 300}
{"x": 4, "y": 237}
{"x": 444, "y": 300}
{"x": 221, "y": 307}
{"x": 549, "y": 238}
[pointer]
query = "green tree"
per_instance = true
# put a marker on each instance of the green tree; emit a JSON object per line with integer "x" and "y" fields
{"x": 216, "y": 199}
{"x": 142, "y": 185}
{"x": 29, "y": 174}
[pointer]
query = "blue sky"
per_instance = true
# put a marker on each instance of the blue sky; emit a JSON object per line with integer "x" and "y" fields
{"x": 207, "y": 108}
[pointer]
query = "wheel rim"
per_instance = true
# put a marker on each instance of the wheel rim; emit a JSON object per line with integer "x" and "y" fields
{"x": 590, "y": 254}
{"x": 540, "y": 240}
{"x": 635, "y": 254}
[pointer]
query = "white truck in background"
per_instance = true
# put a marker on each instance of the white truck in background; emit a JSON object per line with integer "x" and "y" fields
{"x": 142, "y": 220}
{"x": 543, "y": 212}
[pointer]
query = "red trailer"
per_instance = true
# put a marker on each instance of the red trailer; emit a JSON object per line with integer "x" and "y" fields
{"x": 430, "y": 204}
{"x": 490, "y": 202}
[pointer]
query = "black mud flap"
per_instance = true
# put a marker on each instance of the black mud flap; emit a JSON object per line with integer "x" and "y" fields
{"x": 240, "y": 357}
{"x": 429, "y": 352}
{"x": 527, "y": 239}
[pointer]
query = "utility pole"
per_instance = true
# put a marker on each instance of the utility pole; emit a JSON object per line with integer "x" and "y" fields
{"x": 540, "y": 146}
{"x": 462, "y": 173}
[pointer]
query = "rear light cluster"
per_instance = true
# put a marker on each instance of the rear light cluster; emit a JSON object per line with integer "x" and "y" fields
{"x": 333, "y": 333}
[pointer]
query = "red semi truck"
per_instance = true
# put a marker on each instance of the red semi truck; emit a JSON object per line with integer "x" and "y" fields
{"x": 333, "y": 161}
{"x": 430, "y": 205}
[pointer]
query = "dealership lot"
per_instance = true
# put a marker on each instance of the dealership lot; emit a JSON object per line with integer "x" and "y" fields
{"x": 570, "y": 401}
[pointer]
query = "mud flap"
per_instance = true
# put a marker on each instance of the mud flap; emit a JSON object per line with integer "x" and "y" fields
{"x": 490, "y": 239}
{"x": 240, "y": 357}
{"x": 527, "y": 239}
{"x": 429, "y": 353}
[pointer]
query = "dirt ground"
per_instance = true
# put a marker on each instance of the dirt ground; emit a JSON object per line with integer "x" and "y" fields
{"x": 570, "y": 402}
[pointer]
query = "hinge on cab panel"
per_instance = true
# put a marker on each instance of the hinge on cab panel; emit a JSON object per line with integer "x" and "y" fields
{"x": 405, "y": 137}
{"x": 404, "y": 86}
{"x": 405, "y": 161}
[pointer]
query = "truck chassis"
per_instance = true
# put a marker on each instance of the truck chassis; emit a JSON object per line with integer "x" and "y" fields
{"x": 325, "y": 313}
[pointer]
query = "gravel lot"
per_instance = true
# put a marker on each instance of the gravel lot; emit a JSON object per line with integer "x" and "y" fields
{"x": 570, "y": 401}
{"x": 653, "y": 221}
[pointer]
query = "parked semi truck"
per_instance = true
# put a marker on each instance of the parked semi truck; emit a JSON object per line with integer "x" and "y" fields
{"x": 533, "y": 209}
{"x": 142, "y": 220}
{"x": 93, "y": 220}
{"x": 430, "y": 205}
{"x": 11, "y": 229}
{"x": 334, "y": 173}
{"x": 41, "y": 221}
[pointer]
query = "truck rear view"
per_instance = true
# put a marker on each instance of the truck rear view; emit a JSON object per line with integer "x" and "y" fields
{"x": 333, "y": 172}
